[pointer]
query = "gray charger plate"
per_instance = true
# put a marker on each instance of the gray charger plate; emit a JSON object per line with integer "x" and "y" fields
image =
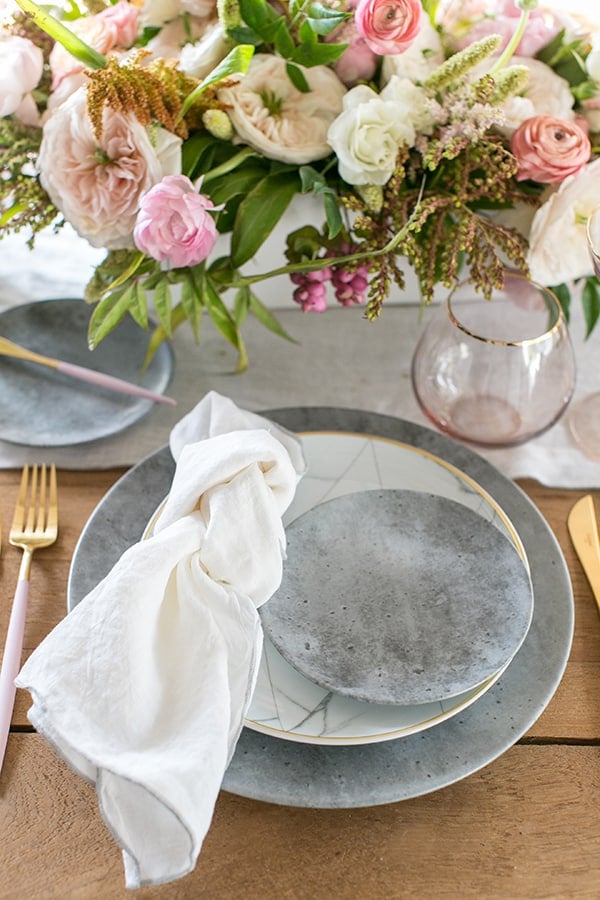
{"x": 285, "y": 772}
{"x": 81, "y": 412}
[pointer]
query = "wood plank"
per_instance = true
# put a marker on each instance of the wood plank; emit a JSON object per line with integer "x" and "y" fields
{"x": 525, "y": 826}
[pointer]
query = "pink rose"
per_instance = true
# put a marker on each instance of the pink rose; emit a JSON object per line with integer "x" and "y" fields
{"x": 548, "y": 149}
{"x": 174, "y": 224}
{"x": 388, "y": 26}
{"x": 21, "y": 64}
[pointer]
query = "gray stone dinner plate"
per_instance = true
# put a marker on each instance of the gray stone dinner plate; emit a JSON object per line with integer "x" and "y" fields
{"x": 80, "y": 411}
{"x": 398, "y": 597}
{"x": 308, "y": 775}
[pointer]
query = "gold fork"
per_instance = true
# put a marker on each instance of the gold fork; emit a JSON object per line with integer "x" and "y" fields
{"x": 35, "y": 525}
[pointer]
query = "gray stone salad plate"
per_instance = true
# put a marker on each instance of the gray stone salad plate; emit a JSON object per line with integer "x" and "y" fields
{"x": 271, "y": 769}
{"x": 399, "y": 597}
{"x": 81, "y": 412}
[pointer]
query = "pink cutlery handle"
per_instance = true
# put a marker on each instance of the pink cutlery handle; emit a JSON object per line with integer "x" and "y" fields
{"x": 109, "y": 381}
{"x": 11, "y": 661}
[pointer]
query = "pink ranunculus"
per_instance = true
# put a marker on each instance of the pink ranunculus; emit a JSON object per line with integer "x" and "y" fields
{"x": 174, "y": 224}
{"x": 21, "y": 65}
{"x": 388, "y": 26}
{"x": 548, "y": 149}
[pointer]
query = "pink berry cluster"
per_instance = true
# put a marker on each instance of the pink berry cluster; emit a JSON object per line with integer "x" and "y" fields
{"x": 311, "y": 292}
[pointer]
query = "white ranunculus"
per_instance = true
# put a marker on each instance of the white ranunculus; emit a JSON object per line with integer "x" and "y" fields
{"x": 548, "y": 92}
{"x": 423, "y": 56}
{"x": 279, "y": 121}
{"x": 368, "y": 134}
{"x": 200, "y": 58}
{"x": 21, "y": 64}
{"x": 557, "y": 243}
{"x": 592, "y": 62}
{"x": 97, "y": 183}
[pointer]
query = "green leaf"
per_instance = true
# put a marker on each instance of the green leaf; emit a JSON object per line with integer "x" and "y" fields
{"x": 257, "y": 14}
{"x": 333, "y": 215}
{"x": 317, "y": 54}
{"x": 564, "y": 298}
{"x": 73, "y": 44}
{"x": 282, "y": 39}
{"x": 162, "y": 304}
{"x": 266, "y": 318}
{"x": 241, "y": 305}
{"x": 194, "y": 154}
{"x": 242, "y": 35}
{"x": 138, "y": 309}
{"x": 590, "y": 298}
{"x": 107, "y": 315}
{"x": 297, "y": 78}
{"x": 224, "y": 322}
{"x": 233, "y": 183}
{"x": 258, "y": 214}
{"x": 323, "y": 19}
{"x": 235, "y": 63}
{"x": 160, "y": 334}
{"x": 192, "y": 300}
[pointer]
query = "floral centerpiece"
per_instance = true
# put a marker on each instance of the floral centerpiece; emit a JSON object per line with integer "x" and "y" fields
{"x": 442, "y": 136}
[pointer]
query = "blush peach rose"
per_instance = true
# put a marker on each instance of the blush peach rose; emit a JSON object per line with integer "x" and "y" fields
{"x": 388, "y": 26}
{"x": 97, "y": 183}
{"x": 549, "y": 149}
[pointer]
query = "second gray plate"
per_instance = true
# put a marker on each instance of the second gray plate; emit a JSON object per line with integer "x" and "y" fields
{"x": 80, "y": 411}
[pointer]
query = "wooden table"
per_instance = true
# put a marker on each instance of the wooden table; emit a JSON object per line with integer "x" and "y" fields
{"x": 527, "y": 825}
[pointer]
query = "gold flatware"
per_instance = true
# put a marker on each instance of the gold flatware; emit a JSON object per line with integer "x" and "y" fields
{"x": 9, "y": 348}
{"x": 583, "y": 528}
{"x": 35, "y": 525}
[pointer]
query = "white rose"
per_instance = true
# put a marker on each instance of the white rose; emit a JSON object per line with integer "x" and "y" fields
{"x": 97, "y": 184}
{"x": 21, "y": 64}
{"x": 279, "y": 121}
{"x": 367, "y": 135}
{"x": 423, "y": 56}
{"x": 557, "y": 243}
{"x": 201, "y": 58}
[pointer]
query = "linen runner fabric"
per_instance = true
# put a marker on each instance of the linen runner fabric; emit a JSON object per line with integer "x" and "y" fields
{"x": 143, "y": 688}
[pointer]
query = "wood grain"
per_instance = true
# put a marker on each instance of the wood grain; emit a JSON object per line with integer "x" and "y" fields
{"x": 525, "y": 826}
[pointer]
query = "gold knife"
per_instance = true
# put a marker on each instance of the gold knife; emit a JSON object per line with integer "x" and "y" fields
{"x": 583, "y": 529}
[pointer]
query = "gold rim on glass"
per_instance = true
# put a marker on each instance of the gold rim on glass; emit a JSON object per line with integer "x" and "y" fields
{"x": 526, "y": 342}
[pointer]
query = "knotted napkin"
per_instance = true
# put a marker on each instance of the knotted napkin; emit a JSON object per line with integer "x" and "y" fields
{"x": 143, "y": 687}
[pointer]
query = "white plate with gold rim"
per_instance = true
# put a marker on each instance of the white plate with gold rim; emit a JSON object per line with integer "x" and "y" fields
{"x": 288, "y": 705}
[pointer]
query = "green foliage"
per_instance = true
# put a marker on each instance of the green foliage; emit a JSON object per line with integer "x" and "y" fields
{"x": 590, "y": 297}
{"x": 294, "y": 34}
{"x": 24, "y": 204}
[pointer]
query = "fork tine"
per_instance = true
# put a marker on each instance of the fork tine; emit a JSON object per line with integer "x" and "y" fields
{"x": 19, "y": 516}
{"x": 41, "y": 506}
{"x": 32, "y": 495}
{"x": 53, "y": 508}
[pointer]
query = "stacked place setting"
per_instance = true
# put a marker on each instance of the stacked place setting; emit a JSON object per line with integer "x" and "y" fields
{"x": 328, "y": 745}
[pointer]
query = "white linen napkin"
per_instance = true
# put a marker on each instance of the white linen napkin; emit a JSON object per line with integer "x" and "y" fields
{"x": 143, "y": 687}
